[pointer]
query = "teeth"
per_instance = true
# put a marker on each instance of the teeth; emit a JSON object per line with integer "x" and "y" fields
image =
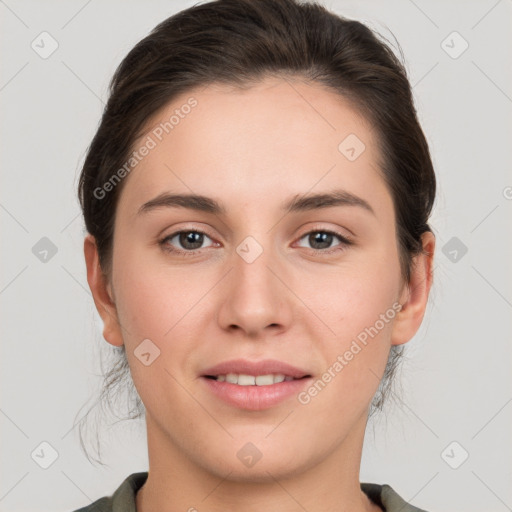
{"x": 232, "y": 378}
{"x": 250, "y": 380}
{"x": 246, "y": 380}
{"x": 264, "y": 380}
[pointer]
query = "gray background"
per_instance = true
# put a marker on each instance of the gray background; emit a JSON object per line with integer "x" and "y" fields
{"x": 456, "y": 382}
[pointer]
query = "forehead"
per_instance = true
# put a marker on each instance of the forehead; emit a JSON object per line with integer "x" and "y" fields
{"x": 258, "y": 142}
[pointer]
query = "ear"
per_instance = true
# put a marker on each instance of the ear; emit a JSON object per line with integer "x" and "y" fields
{"x": 102, "y": 293}
{"x": 414, "y": 296}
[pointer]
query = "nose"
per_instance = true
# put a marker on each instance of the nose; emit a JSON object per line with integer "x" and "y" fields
{"x": 256, "y": 299}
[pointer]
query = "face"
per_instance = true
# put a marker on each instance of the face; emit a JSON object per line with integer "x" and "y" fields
{"x": 316, "y": 285}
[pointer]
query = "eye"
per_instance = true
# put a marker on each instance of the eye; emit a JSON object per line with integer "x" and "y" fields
{"x": 189, "y": 240}
{"x": 322, "y": 239}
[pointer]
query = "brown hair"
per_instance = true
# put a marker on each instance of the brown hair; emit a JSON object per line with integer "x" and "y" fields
{"x": 239, "y": 42}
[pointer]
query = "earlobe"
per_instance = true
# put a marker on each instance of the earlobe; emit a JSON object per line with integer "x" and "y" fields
{"x": 102, "y": 293}
{"x": 414, "y": 297}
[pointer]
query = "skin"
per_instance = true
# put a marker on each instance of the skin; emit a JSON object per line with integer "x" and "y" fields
{"x": 251, "y": 150}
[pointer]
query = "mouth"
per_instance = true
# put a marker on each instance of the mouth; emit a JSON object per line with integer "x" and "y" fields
{"x": 254, "y": 385}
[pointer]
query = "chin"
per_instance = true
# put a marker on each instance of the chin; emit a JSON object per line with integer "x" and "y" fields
{"x": 258, "y": 461}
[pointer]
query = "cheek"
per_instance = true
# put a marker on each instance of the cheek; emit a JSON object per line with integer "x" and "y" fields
{"x": 353, "y": 297}
{"x": 154, "y": 303}
{"x": 153, "y": 297}
{"x": 358, "y": 304}
{"x": 360, "y": 313}
{"x": 162, "y": 304}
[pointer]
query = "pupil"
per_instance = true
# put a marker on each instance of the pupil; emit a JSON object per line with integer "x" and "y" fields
{"x": 324, "y": 239}
{"x": 191, "y": 240}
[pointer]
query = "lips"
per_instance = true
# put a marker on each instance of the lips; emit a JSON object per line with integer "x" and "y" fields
{"x": 258, "y": 396}
{"x": 255, "y": 368}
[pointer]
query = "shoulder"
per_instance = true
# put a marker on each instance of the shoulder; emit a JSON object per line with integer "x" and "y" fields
{"x": 102, "y": 505}
{"x": 122, "y": 499}
{"x": 387, "y": 498}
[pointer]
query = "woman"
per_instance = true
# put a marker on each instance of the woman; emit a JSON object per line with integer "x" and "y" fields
{"x": 257, "y": 199}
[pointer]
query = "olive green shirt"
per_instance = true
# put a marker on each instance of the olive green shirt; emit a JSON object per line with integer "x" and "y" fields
{"x": 123, "y": 499}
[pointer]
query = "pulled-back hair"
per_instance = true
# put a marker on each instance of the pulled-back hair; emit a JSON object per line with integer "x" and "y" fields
{"x": 239, "y": 43}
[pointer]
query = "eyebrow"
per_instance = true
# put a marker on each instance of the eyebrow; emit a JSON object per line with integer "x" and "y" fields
{"x": 297, "y": 203}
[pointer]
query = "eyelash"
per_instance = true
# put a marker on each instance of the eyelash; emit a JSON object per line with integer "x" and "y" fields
{"x": 344, "y": 241}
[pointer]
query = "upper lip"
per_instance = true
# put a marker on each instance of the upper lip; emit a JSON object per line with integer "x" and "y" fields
{"x": 256, "y": 368}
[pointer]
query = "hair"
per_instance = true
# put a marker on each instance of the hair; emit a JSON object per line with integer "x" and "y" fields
{"x": 239, "y": 43}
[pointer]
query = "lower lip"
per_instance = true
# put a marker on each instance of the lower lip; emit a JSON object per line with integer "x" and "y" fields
{"x": 256, "y": 398}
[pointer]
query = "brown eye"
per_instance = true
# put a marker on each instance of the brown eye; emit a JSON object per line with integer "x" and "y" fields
{"x": 188, "y": 240}
{"x": 320, "y": 240}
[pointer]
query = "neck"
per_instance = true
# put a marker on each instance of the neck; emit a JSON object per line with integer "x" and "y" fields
{"x": 176, "y": 483}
